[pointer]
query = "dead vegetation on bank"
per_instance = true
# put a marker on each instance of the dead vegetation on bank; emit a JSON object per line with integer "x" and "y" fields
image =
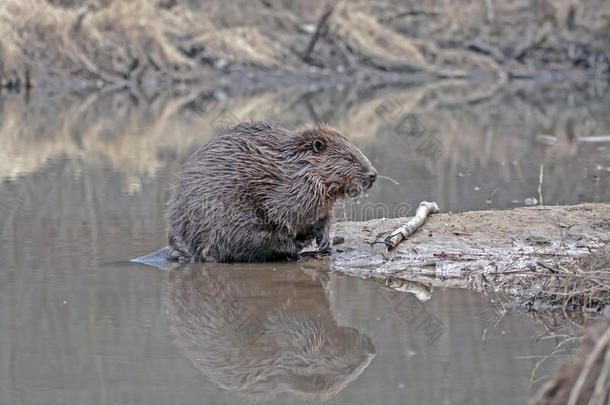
{"x": 121, "y": 42}
{"x": 580, "y": 287}
{"x": 517, "y": 253}
{"x": 110, "y": 43}
{"x": 115, "y": 42}
{"x": 582, "y": 283}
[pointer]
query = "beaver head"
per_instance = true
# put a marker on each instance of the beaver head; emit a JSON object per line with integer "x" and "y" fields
{"x": 328, "y": 156}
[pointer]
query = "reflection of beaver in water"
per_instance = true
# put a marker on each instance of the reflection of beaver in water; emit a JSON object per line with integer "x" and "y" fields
{"x": 260, "y": 192}
{"x": 259, "y": 332}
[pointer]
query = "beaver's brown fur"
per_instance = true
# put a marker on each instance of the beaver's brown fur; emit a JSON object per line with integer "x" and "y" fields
{"x": 259, "y": 192}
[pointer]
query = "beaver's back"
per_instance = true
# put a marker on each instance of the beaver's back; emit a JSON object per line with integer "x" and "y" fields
{"x": 219, "y": 192}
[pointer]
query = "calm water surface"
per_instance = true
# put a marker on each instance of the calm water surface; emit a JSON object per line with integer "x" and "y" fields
{"x": 83, "y": 186}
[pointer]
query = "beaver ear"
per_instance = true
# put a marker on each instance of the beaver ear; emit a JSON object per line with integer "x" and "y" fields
{"x": 318, "y": 145}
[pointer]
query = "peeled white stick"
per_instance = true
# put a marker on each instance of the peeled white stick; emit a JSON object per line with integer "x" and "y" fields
{"x": 425, "y": 208}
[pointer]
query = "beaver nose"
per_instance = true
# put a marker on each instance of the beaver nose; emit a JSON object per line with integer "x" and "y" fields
{"x": 373, "y": 175}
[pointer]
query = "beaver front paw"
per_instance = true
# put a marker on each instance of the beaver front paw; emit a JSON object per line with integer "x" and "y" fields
{"x": 326, "y": 251}
{"x": 316, "y": 254}
{"x": 176, "y": 255}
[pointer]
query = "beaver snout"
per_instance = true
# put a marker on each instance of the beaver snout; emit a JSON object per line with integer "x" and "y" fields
{"x": 371, "y": 177}
{"x": 363, "y": 182}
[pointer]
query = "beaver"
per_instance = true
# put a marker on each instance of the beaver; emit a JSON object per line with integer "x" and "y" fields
{"x": 259, "y": 192}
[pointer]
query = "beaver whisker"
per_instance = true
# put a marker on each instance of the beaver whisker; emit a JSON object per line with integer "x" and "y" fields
{"x": 388, "y": 178}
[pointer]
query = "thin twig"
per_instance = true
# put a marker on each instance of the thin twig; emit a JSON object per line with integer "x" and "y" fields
{"x": 545, "y": 358}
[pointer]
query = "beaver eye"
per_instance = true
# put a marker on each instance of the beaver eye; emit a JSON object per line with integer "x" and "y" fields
{"x": 319, "y": 145}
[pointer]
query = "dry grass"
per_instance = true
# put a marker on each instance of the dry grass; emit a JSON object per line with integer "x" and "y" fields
{"x": 381, "y": 47}
{"x": 119, "y": 41}
{"x": 582, "y": 283}
{"x": 585, "y": 380}
{"x": 109, "y": 43}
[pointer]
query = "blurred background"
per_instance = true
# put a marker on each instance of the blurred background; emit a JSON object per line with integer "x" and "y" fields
{"x": 462, "y": 102}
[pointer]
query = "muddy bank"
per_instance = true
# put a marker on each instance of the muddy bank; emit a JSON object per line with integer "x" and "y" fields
{"x": 500, "y": 251}
{"x": 101, "y": 43}
{"x": 543, "y": 257}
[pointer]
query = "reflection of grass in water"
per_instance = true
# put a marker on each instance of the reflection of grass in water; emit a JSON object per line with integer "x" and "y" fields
{"x": 137, "y": 134}
{"x": 112, "y": 129}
